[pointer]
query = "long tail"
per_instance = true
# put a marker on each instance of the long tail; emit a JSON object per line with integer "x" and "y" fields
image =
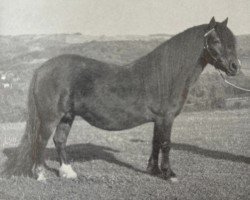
{"x": 22, "y": 160}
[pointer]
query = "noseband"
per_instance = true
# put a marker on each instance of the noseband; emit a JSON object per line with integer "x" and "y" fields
{"x": 206, "y": 47}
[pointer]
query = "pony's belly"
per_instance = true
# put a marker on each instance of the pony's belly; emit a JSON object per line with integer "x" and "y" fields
{"x": 114, "y": 119}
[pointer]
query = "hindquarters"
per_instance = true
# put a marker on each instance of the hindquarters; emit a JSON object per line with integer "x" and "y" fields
{"x": 41, "y": 121}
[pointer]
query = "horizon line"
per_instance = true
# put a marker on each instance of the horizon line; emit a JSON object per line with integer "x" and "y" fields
{"x": 101, "y": 35}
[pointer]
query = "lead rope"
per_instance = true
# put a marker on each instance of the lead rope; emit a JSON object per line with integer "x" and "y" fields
{"x": 233, "y": 85}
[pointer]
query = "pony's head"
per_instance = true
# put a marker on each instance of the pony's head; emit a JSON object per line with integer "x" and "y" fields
{"x": 220, "y": 47}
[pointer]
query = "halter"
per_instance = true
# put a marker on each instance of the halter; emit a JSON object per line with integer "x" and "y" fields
{"x": 206, "y": 47}
{"x": 215, "y": 60}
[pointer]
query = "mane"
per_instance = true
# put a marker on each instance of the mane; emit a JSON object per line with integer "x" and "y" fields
{"x": 170, "y": 64}
{"x": 183, "y": 49}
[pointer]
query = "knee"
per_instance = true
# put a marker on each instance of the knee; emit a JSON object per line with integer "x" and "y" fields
{"x": 61, "y": 134}
{"x": 67, "y": 119}
{"x": 59, "y": 139}
{"x": 42, "y": 139}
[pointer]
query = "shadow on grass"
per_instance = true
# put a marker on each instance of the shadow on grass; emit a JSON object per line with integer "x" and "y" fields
{"x": 82, "y": 153}
{"x": 206, "y": 152}
{"x": 211, "y": 153}
{"x": 88, "y": 152}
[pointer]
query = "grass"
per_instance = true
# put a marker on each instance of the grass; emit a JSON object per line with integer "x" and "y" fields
{"x": 210, "y": 154}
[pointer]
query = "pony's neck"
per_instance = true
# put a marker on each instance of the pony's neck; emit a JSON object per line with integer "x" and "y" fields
{"x": 173, "y": 66}
{"x": 179, "y": 59}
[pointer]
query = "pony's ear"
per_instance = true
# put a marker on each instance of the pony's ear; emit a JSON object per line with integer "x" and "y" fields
{"x": 224, "y": 23}
{"x": 212, "y": 23}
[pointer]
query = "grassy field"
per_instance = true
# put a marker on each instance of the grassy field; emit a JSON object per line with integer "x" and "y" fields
{"x": 210, "y": 154}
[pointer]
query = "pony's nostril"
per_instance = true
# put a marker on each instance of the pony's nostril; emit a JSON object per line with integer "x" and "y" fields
{"x": 233, "y": 67}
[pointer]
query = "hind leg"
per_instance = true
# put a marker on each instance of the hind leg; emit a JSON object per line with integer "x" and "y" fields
{"x": 60, "y": 139}
{"x": 44, "y": 132}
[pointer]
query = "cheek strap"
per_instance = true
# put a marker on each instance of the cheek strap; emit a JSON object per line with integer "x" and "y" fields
{"x": 206, "y": 47}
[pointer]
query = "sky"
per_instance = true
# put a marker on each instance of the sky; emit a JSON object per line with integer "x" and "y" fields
{"x": 119, "y": 17}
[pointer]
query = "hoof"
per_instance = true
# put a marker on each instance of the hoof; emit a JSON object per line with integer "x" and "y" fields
{"x": 41, "y": 177}
{"x": 66, "y": 171}
{"x": 169, "y": 175}
{"x": 38, "y": 173}
{"x": 154, "y": 170}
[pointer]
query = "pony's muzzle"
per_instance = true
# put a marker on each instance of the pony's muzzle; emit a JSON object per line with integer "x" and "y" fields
{"x": 234, "y": 67}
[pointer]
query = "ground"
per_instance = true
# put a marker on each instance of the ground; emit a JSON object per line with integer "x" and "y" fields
{"x": 210, "y": 155}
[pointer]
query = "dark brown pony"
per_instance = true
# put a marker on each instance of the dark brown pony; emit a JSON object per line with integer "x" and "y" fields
{"x": 151, "y": 89}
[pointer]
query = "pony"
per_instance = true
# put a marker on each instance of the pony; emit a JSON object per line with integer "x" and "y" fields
{"x": 153, "y": 88}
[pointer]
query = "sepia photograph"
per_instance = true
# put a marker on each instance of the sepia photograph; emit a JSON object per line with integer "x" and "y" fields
{"x": 124, "y": 100}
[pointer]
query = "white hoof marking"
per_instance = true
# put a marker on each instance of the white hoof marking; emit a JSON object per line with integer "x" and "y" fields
{"x": 41, "y": 177}
{"x": 66, "y": 171}
{"x": 174, "y": 179}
